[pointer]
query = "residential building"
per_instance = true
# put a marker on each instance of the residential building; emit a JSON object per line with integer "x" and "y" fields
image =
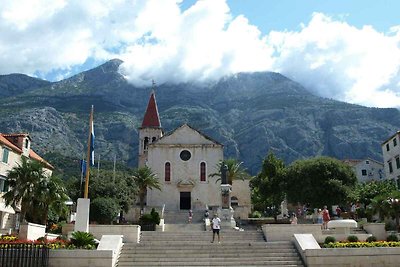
{"x": 391, "y": 157}
{"x": 367, "y": 169}
{"x": 13, "y": 147}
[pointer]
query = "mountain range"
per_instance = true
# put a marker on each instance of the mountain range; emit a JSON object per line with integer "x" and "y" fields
{"x": 250, "y": 113}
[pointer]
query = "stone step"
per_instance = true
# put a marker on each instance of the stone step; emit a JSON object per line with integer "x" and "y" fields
{"x": 253, "y": 262}
{"x": 213, "y": 259}
{"x": 227, "y": 254}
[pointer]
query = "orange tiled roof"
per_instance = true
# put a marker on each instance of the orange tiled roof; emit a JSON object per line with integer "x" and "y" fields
{"x": 32, "y": 154}
{"x": 7, "y": 143}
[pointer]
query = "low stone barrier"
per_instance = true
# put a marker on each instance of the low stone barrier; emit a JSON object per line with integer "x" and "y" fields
{"x": 31, "y": 231}
{"x": 285, "y": 232}
{"x": 314, "y": 256}
{"x": 376, "y": 229}
{"x": 80, "y": 258}
{"x": 131, "y": 233}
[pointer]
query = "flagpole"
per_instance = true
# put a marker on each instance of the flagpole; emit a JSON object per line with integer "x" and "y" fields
{"x": 88, "y": 155}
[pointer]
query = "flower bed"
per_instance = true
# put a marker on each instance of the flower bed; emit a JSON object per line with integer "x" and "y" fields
{"x": 13, "y": 241}
{"x": 362, "y": 244}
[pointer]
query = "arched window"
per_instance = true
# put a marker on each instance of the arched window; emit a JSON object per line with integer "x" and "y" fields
{"x": 153, "y": 139}
{"x": 202, "y": 172}
{"x": 146, "y": 142}
{"x": 167, "y": 172}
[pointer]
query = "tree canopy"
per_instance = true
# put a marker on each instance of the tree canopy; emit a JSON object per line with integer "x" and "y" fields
{"x": 268, "y": 186}
{"x": 365, "y": 192}
{"x": 144, "y": 179}
{"x": 35, "y": 190}
{"x": 319, "y": 181}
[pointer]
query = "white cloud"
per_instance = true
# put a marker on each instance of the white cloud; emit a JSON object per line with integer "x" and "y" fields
{"x": 337, "y": 60}
{"x": 157, "y": 40}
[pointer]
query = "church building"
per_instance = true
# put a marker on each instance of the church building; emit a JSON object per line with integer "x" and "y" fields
{"x": 183, "y": 160}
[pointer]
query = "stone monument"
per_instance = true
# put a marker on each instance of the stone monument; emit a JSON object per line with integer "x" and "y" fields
{"x": 226, "y": 208}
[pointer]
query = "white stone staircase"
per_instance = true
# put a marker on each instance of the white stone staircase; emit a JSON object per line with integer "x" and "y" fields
{"x": 188, "y": 247}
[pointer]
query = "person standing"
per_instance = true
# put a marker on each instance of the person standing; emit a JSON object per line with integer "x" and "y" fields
{"x": 325, "y": 217}
{"x": 216, "y": 227}
{"x": 190, "y": 216}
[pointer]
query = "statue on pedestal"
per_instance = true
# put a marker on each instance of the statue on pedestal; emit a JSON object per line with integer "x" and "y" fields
{"x": 224, "y": 171}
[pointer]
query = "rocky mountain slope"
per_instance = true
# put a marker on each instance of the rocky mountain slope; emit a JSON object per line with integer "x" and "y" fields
{"x": 250, "y": 113}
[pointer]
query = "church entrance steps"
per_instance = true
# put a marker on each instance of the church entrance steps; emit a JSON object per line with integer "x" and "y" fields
{"x": 182, "y": 216}
{"x": 202, "y": 236}
{"x": 187, "y": 227}
{"x": 193, "y": 248}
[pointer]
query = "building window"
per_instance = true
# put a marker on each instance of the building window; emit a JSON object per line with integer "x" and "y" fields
{"x": 185, "y": 155}
{"x": 395, "y": 142}
{"x": 397, "y": 162}
{"x": 26, "y": 143}
{"x": 390, "y": 167}
{"x": 146, "y": 143}
{"x": 364, "y": 172}
{"x": 3, "y": 185}
{"x": 387, "y": 147}
{"x": 5, "y": 155}
{"x": 167, "y": 172}
{"x": 153, "y": 139}
{"x": 203, "y": 172}
{"x": 367, "y": 162}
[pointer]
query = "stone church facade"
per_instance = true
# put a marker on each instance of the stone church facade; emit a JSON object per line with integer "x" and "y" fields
{"x": 183, "y": 160}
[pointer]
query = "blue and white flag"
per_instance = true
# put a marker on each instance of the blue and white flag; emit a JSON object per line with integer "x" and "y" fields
{"x": 92, "y": 145}
{"x": 83, "y": 166}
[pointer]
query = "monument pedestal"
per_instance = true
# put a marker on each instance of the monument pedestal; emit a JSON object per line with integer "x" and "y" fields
{"x": 226, "y": 212}
{"x": 82, "y": 215}
{"x": 227, "y": 220}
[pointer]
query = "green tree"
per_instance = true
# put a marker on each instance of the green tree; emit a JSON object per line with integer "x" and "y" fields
{"x": 105, "y": 183}
{"x": 104, "y": 210}
{"x": 319, "y": 181}
{"x": 24, "y": 180}
{"x": 387, "y": 204}
{"x": 144, "y": 179}
{"x": 36, "y": 191}
{"x": 365, "y": 192}
{"x": 235, "y": 170}
{"x": 49, "y": 194}
{"x": 268, "y": 186}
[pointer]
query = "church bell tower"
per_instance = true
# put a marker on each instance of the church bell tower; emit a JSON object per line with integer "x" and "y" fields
{"x": 151, "y": 130}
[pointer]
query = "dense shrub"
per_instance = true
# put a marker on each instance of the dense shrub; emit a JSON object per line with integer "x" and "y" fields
{"x": 83, "y": 240}
{"x": 329, "y": 239}
{"x": 392, "y": 238}
{"x": 352, "y": 238}
{"x": 372, "y": 239}
{"x": 103, "y": 210}
{"x": 390, "y": 226}
{"x": 255, "y": 214}
{"x": 150, "y": 218}
{"x": 156, "y": 216}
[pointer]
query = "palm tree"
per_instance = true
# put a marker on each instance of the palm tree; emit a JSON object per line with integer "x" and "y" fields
{"x": 23, "y": 180}
{"x": 50, "y": 193}
{"x": 235, "y": 170}
{"x": 144, "y": 179}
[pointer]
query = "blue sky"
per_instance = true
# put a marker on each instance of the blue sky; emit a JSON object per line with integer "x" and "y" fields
{"x": 347, "y": 50}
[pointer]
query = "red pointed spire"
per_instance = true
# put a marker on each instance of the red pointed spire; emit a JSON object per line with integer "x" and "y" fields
{"x": 151, "y": 117}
